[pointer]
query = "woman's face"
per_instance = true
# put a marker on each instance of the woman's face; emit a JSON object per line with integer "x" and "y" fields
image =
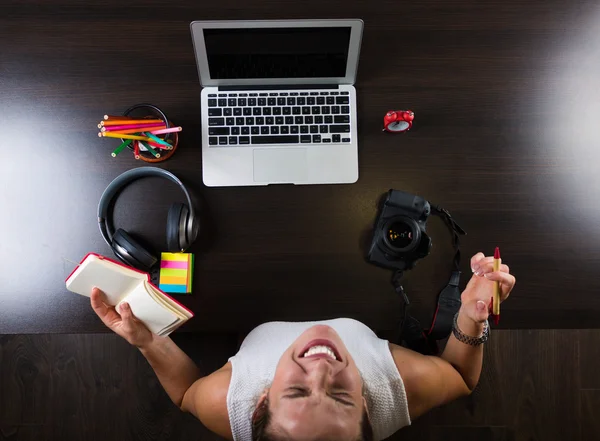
{"x": 317, "y": 389}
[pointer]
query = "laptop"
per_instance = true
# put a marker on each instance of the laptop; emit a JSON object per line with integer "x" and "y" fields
{"x": 278, "y": 102}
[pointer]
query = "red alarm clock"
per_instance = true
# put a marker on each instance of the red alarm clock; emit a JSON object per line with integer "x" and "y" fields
{"x": 396, "y": 121}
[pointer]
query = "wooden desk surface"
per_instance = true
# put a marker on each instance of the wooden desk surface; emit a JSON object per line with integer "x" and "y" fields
{"x": 505, "y": 95}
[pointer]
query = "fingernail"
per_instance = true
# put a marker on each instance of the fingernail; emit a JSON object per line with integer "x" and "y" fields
{"x": 487, "y": 276}
{"x": 124, "y": 306}
{"x": 481, "y": 306}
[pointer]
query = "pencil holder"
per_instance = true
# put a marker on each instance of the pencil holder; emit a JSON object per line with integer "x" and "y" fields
{"x": 158, "y": 153}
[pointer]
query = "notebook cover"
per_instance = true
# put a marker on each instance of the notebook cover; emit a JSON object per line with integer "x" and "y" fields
{"x": 132, "y": 269}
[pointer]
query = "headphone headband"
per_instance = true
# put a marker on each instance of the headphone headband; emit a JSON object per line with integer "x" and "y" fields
{"x": 120, "y": 182}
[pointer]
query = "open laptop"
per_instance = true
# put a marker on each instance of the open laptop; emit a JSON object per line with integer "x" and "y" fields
{"x": 278, "y": 101}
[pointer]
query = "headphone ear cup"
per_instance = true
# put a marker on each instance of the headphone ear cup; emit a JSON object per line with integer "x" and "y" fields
{"x": 125, "y": 257}
{"x": 184, "y": 220}
{"x": 135, "y": 254}
{"x": 173, "y": 223}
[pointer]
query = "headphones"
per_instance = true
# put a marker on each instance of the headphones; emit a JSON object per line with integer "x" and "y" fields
{"x": 182, "y": 224}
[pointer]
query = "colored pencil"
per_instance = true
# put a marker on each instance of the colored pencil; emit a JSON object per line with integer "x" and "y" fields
{"x": 121, "y": 147}
{"x": 119, "y": 122}
{"x": 118, "y": 135}
{"x": 135, "y": 126}
{"x": 158, "y": 146}
{"x": 140, "y": 127}
{"x": 156, "y": 138}
{"x": 119, "y": 117}
{"x": 496, "y": 297}
{"x": 136, "y": 150}
{"x": 162, "y": 131}
{"x": 151, "y": 150}
{"x": 111, "y": 129}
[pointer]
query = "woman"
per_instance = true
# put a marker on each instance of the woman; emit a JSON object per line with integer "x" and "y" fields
{"x": 330, "y": 380}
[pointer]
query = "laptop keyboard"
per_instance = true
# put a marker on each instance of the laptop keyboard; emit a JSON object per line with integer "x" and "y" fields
{"x": 264, "y": 118}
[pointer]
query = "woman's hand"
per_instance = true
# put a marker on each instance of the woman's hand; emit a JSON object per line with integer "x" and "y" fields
{"x": 123, "y": 322}
{"x": 477, "y": 295}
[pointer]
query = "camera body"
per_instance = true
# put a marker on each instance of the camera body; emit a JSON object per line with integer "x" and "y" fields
{"x": 400, "y": 239}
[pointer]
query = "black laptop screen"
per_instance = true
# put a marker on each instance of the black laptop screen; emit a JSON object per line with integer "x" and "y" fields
{"x": 320, "y": 52}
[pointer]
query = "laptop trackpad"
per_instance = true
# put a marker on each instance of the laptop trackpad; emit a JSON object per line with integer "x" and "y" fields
{"x": 280, "y": 165}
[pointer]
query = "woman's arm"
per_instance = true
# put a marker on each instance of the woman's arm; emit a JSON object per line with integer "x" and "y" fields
{"x": 204, "y": 397}
{"x": 467, "y": 359}
{"x": 174, "y": 369}
{"x": 433, "y": 381}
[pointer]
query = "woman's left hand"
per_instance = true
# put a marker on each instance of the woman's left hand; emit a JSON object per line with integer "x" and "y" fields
{"x": 123, "y": 323}
{"x": 477, "y": 295}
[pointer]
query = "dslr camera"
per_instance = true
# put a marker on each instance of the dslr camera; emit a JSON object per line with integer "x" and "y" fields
{"x": 399, "y": 239}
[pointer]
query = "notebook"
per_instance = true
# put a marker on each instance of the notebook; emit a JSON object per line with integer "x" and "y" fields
{"x": 160, "y": 313}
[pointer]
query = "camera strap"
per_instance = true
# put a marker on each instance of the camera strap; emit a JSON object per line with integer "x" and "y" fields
{"x": 417, "y": 338}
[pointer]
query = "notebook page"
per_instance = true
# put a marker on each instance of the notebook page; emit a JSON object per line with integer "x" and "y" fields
{"x": 115, "y": 280}
{"x": 182, "y": 312}
{"x": 155, "y": 316}
{"x": 160, "y": 300}
{"x": 171, "y": 328}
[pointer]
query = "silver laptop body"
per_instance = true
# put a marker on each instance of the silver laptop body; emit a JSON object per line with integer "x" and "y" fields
{"x": 278, "y": 101}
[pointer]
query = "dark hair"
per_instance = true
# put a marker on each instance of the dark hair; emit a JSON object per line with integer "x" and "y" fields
{"x": 262, "y": 417}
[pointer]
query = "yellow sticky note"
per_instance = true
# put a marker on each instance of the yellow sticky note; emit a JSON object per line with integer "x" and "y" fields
{"x": 179, "y": 257}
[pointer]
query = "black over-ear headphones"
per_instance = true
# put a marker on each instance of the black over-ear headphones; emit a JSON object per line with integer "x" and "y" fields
{"x": 182, "y": 224}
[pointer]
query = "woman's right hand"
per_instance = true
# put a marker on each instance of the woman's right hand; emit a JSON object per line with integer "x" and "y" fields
{"x": 476, "y": 298}
{"x": 123, "y": 322}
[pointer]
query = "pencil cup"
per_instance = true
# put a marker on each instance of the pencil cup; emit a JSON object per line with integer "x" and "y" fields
{"x": 160, "y": 148}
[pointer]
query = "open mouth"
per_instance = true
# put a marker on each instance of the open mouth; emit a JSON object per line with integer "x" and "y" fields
{"x": 321, "y": 348}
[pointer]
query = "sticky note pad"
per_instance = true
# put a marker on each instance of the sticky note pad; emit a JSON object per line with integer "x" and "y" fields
{"x": 176, "y": 272}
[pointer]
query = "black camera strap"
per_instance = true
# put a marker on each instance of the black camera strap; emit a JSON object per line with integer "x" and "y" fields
{"x": 416, "y": 338}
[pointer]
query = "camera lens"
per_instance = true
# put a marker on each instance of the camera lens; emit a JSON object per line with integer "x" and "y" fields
{"x": 401, "y": 235}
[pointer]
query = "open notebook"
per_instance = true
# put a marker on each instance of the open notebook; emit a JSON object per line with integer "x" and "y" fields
{"x": 159, "y": 312}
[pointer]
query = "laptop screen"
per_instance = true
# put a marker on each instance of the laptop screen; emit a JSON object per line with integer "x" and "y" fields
{"x": 255, "y": 53}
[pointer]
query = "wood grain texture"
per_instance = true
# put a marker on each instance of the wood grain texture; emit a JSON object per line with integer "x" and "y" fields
{"x": 96, "y": 387}
{"x": 93, "y": 387}
{"x": 21, "y": 432}
{"x": 528, "y": 391}
{"x": 505, "y": 98}
{"x": 590, "y": 404}
{"x": 25, "y": 375}
{"x": 472, "y": 434}
{"x": 589, "y": 366}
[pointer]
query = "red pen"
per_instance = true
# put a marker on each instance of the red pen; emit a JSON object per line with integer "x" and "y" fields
{"x": 496, "y": 295}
